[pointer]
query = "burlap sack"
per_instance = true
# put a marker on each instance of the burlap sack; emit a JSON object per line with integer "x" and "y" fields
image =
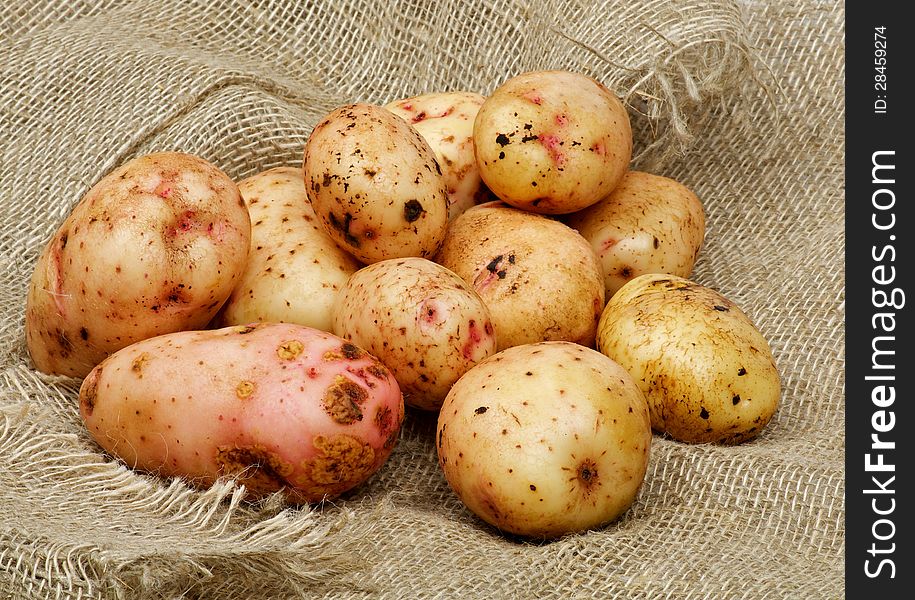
{"x": 746, "y": 99}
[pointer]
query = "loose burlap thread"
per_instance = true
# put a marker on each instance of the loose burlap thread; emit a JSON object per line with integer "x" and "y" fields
{"x": 740, "y": 101}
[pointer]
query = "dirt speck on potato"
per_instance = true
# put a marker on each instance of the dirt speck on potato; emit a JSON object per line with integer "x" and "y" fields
{"x": 289, "y": 350}
{"x": 89, "y": 390}
{"x": 258, "y": 469}
{"x": 343, "y": 459}
{"x": 412, "y": 210}
{"x": 244, "y": 389}
{"x": 343, "y": 400}
{"x": 138, "y": 364}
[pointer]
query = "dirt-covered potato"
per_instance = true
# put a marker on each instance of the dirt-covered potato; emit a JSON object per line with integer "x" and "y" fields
{"x": 539, "y": 278}
{"x": 552, "y": 141}
{"x": 545, "y": 439}
{"x": 277, "y": 406}
{"x": 445, "y": 120}
{"x": 375, "y": 184}
{"x": 707, "y": 372}
{"x": 648, "y": 224}
{"x": 294, "y": 270}
{"x": 421, "y": 320}
{"x": 155, "y": 246}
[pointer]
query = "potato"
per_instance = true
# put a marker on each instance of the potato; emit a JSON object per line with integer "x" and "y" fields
{"x": 539, "y": 278}
{"x": 648, "y": 224}
{"x": 421, "y": 320}
{"x": 374, "y": 183}
{"x": 155, "y": 246}
{"x": 552, "y": 141}
{"x": 280, "y": 407}
{"x": 545, "y": 439}
{"x": 445, "y": 120}
{"x": 707, "y": 372}
{"x": 295, "y": 270}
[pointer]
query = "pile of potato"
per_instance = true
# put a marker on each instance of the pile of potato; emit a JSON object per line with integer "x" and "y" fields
{"x": 492, "y": 259}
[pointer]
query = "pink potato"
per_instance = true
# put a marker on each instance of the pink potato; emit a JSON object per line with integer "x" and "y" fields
{"x": 154, "y": 247}
{"x": 280, "y": 407}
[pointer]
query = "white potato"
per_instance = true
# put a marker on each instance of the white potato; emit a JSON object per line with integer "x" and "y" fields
{"x": 294, "y": 270}
{"x": 552, "y": 142}
{"x": 375, "y": 184}
{"x": 419, "y": 319}
{"x": 156, "y": 246}
{"x": 445, "y": 120}
{"x": 539, "y": 278}
{"x": 648, "y": 224}
{"x": 545, "y": 439}
{"x": 707, "y": 372}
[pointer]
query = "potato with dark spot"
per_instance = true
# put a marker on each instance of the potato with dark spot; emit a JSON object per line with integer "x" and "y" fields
{"x": 375, "y": 184}
{"x": 445, "y": 120}
{"x": 552, "y": 142}
{"x": 707, "y": 372}
{"x": 545, "y": 439}
{"x": 539, "y": 278}
{"x": 295, "y": 270}
{"x": 279, "y": 407}
{"x": 648, "y": 224}
{"x": 154, "y": 247}
{"x": 421, "y": 320}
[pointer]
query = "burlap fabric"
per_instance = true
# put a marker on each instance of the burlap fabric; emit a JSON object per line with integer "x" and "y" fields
{"x": 742, "y": 102}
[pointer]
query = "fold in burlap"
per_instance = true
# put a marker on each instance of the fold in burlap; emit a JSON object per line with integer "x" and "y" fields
{"x": 741, "y": 102}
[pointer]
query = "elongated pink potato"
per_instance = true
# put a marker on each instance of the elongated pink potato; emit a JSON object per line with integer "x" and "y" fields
{"x": 154, "y": 247}
{"x": 279, "y": 406}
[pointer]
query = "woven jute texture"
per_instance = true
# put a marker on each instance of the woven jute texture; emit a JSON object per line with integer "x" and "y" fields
{"x": 741, "y": 101}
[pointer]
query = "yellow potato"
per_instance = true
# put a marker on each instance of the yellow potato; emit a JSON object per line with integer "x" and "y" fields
{"x": 294, "y": 270}
{"x": 445, "y": 120}
{"x": 552, "y": 142}
{"x": 421, "y": 320}
{"x": 375, "y": 184}
{"x": 545, "y": 439}
{"x": 707, "y": 372}
{"x": 539, "y": 278}
{"x": 648, "y": 224}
